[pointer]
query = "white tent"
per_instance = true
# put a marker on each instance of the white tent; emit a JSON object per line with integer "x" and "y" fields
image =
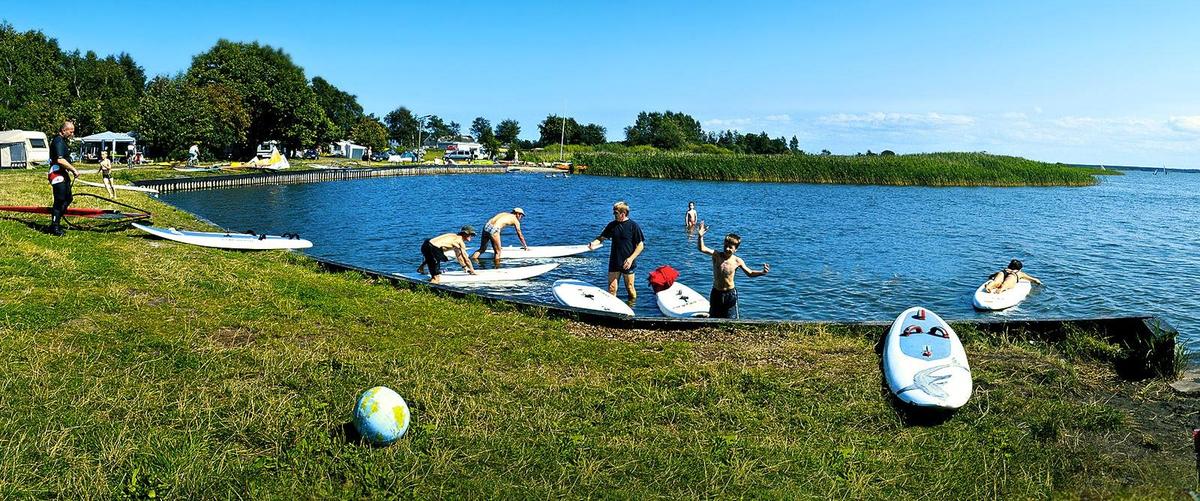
{"x": 90, "y": 146}
{"x": 348, "y": 149}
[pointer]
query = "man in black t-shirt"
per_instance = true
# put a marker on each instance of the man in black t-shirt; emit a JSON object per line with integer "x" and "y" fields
{"x": 627, "y": 243}
{"x": 60, "y": 175}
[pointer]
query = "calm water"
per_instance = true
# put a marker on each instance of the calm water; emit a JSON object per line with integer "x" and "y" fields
{"x": 1127, "y": 246}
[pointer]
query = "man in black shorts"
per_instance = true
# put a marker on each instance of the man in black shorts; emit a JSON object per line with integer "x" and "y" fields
{"x": 60, "y": 175}
{"x": 627, "y": 243}
{"x": 433, "y": 252}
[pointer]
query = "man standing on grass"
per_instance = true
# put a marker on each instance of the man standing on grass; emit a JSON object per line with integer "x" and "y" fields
{"x": 628, "y": 243}
{"x": 60, "y": 175}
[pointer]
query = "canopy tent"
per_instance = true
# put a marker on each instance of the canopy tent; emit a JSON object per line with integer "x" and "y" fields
{"x": 90, "y": 146}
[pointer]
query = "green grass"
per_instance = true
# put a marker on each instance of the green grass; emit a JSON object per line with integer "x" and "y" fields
{"x": 130, "y": 365}
{"x": 928, "y": 169}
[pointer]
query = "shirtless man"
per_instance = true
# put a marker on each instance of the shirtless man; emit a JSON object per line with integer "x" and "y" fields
{"x": 1007, "y": 278}
{"x": 434, "y": 252}
{"x": 723, "y": 299}
{"x": 491, "y": 232}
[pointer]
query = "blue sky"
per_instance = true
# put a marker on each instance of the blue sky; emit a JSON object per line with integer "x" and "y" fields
{"x": 1069, "y": 81}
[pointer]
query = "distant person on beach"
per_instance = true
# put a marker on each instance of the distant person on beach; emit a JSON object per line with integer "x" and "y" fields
{"x": 130, "y": 152}
{"x": 193, "y": 155}
{"x": 627, "y": 243}
{"x": 434, "y": 252}
{"x": 689, "y": 217}
{"x": 1007, "y": 278}
{"x": 106, "y": 173}
{"x": 495, "y": 225}
{"x": 723, "y": 298}
{"x": 60, "y": 175}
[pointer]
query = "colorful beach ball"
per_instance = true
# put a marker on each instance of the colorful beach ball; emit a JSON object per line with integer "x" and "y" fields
{"x": 381, "y": 415}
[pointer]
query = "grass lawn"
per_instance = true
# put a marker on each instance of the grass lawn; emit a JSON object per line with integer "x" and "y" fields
{"x": 131, "y": 366}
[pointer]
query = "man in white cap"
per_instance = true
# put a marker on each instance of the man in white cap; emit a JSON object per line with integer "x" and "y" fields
{"x": 491, "y": 232}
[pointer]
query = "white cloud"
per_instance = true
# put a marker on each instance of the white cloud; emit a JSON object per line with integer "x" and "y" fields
{"x": 727, "y": 123}
{"x": 880, "y": 120}
{"x": 778, "y": 118}
{"x": 1186, "y": 124}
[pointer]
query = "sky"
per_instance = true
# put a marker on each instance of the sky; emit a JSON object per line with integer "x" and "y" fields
{"x": 1093, "y": 82}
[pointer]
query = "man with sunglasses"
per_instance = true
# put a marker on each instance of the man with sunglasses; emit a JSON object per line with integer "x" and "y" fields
{"x": 627, "y": 243}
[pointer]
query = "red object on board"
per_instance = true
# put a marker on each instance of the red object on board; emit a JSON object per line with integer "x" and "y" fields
{"x": 663, "y": 278}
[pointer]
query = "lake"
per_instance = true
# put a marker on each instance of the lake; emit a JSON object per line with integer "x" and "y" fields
{"x": 846, "y": 253}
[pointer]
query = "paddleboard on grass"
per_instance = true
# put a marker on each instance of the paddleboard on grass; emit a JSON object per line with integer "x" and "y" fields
{"x": 236, "y": 241}
{"x": 681, "y": 301}
{"x": 534, "y": 252}
{"x": 1001, "y": 300}
{"x": 924, "y": 362}
{"x": 579, "y": 294}
{"x": 496, "y": 275}
{"x": 129, "y": 187}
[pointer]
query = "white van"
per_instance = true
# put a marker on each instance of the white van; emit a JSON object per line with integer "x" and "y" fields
{"x": 465, "y": 151}
{"x": 37, "y": 147}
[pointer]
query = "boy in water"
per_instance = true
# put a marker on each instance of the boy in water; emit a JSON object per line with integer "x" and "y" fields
{"x": 723, "y": 299}
{"x": 689, "y": 217}
{"x": 434, "y": 252}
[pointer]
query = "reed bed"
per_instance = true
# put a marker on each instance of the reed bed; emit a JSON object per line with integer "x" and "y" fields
{"x": 926, "y": 169}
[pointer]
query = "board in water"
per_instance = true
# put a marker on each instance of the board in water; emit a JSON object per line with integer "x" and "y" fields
{"x": 496, "y": 275}
{"x": 219, "y": 240}
{"x": 580, "y": 294}
{"x": 924, "y": 362}
{"x": 1001, "y": 300}
{"x": 534, "y": 252}
{"x": 129, "y": 187}
{"x": 681, "y": 301}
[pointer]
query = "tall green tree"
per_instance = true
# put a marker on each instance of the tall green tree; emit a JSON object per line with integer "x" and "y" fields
{"x": 481, "y": 127}
{"x": 507, "y": 131}
{"x": 555, "y": 128}
{"x": 33, "y": 90}
{"x": 667, "y": 130}
{"x": 794, "y": 145}
{"x": 274, "y": 90}
{"x": 402, "y": 126}
{"x": 177, "y": 113}
{"x": 341, "y": 108}
{"x": 370, "y": 132}
{"x": 437, "y": 128}
{"x": 592, "y": 134}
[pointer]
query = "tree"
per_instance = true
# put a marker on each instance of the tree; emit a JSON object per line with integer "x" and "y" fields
{"x": 552, "y": 129}
{"x": 369, "y": 132}
{"x": 479, "y": 127}
{"x": 340, "y": 107}
{"x": 455, "y": 128}
{"x": 402, "y": 126}
{"x": 176, "y": 113}
{"x": 794, "y": 145}
{"x": 825, "y": 153}
{"x": 33, "y": 96}
{"x": 592, "y": 134}
{"x": 437, "y": 128}
{"x": 507, "y": 131}
{"x": 667, "y": 130}
{"x": 273, "y": 89}
{"x": 887, "y": 153}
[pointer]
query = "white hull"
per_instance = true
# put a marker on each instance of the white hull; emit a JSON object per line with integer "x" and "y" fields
{"x": 128, "y": 187}
{"x": 535, "y": 252}
{"x": 999, "y": 301}
{"x": 578, "y": 294}
{"x": 924, "y": 363}
{"x": 681, "y": 301}
{"x": 497, "y": 275}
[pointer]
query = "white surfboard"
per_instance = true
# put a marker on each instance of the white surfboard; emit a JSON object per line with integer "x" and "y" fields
{"x": 1001, "y": 300}
{"x": 681, "y": 301}
{"x": 924, "y": 362}
{"x": 129, "y": 187}
{"x": 534, "y": 252}
{"x": 496, "y": 275}
{"x": 238, "y": 241}
{"x": 580, "y": 294}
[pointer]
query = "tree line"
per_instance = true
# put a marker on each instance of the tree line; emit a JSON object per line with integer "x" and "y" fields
{"x": 236, "y": 95}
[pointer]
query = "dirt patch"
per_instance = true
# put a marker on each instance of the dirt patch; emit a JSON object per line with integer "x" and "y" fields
{"x": 231, "y": 337}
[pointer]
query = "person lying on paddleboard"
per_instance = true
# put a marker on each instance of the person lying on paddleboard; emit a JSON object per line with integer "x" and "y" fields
{"x": 491, "y": 232}
{"x": 434, "y": 251}
{"x": 723, "y": 299}
{"x": 1007, "y": 278}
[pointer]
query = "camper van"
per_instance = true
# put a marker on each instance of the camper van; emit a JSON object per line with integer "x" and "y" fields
{"x": 465, "y": 151}
{"x": 37, "y": 147}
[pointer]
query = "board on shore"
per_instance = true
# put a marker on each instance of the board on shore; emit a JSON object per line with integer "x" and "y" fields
{"x": 534, "y": 252}
{"x": 128, "y": 187}
{"x": 924, "y": 363}
{"x": 681, "y": 301}
{"x": 220, "y": 240}
{"x": 580, "y": 294}
{"x": 496, "y": 275}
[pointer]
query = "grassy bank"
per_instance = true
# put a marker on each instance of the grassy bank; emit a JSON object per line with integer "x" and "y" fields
{"x": 928, "y": 169}
{"x": 130, "y": 365}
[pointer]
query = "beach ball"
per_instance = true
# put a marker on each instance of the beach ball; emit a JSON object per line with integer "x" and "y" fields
{"x": 381, "y": 415}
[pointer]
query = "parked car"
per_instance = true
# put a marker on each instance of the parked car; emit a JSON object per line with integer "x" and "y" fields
{"x": 380, "y": 156}
{"x": 309, "y": 154}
